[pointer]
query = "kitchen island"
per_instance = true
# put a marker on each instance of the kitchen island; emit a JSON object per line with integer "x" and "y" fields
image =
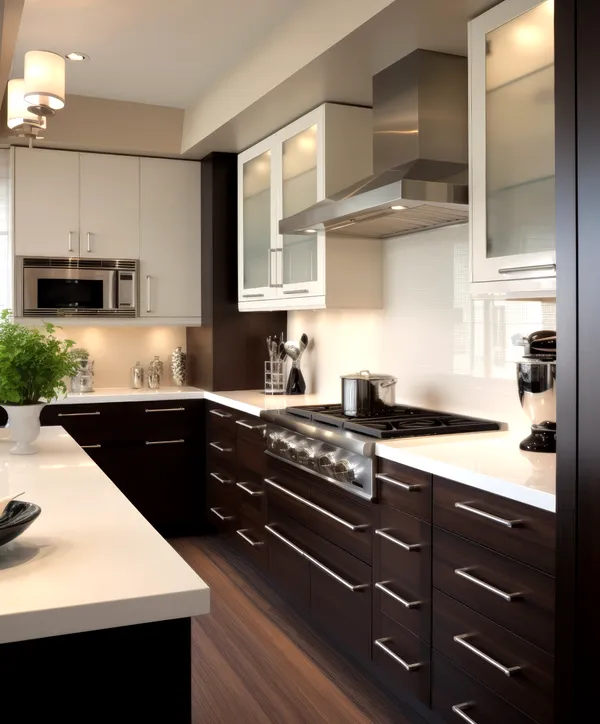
{"x": 95, "y": 605}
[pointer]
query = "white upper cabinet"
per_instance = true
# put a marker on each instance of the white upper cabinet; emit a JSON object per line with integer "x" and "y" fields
{"x": 170, "y": 251}
{"x": 511, "y": 68}
{"x": 46, "y": 202}
{"x": 109, "y": 206}
{"x": 300, "y": 165}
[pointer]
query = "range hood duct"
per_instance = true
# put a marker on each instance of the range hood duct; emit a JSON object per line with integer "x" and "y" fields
{"x": 420, "y": 155}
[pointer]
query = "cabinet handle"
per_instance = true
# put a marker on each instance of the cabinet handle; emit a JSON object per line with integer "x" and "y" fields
{"x": 89, "y": 241}
{"x": 243, "y": 423}
{"x": 488, "y": 516}
{"x": 90, "y": 447}
{"x": 77, "y": 414}
{"x": 218, "y": 413}
{"x": 407, "y": 604}
{"x": 71, "y": 240}
{"x": 166, "y": 409}
{"x": 243, "y": 487}
{"x": 531, "y": 267}
{"x": 219, "y": 479}
{"x": 332, "y": 516}
{"x": 464, "y": 573}
{"x": 252, "y": 296}
{"x": 383, "y": 532}
{"x": 296, "y": 291}
{"x": 219, "y": 448}
{"x": 405, "y": 486}
{"x": 242, "y": 534}
{"x": 164, "y": 442}
{"x": 215, "y": 511}
{"x": 350, "y": 586}
{"x": 506, "y": 670}
{"x": 381, "y": 643}
{"x": 148, "y": 293}
{"x": 459, "y": 709}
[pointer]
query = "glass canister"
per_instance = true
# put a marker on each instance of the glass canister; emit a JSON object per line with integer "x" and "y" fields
{"x": 155, "y": 372}
{"x": 137, "y": 376}
{"x": 83, "y": 381}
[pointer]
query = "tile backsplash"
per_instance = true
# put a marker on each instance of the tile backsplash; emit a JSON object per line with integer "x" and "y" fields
{"x": 448, "y": 351}
{"x": 116, "y": 349}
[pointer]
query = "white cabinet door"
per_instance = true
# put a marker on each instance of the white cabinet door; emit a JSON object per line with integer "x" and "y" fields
{"x": 110, "y": 206}
{"x": 170, "y": 249}
{"x": 46, "y": 202}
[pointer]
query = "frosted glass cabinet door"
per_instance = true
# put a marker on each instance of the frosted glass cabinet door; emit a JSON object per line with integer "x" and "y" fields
{"x": 301, "y": 263}
{"x": 513, "y": 163}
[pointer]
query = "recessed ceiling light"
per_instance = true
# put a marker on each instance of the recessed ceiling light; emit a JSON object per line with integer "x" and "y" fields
{"x": 77, "y": 56}
{"x": 311, "y": 231}
{"x": 398, "y": 208}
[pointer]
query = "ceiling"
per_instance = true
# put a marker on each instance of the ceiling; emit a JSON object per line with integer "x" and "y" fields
{"x": 162, "y": 52}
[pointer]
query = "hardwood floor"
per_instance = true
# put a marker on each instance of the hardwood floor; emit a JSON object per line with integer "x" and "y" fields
{"x": 254, "y": 660}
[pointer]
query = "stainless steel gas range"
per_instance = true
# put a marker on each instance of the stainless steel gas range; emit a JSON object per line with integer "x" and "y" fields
{"x": 339, "y": 449}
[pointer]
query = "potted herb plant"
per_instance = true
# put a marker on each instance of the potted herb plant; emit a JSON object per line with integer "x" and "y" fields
{"x": 33, "y": 363}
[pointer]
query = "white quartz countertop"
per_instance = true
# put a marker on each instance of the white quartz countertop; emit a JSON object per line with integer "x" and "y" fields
{"x": 90, "y": 561}
{"x": 125, "y": 394}
{"x": 489, "y": 461}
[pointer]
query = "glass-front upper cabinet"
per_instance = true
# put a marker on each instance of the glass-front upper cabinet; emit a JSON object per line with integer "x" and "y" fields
{"x": 511, "y": 65}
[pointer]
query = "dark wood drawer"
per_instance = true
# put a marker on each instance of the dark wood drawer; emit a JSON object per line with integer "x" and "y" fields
{"x": 512, "y": 594}
{"x": 289, "y": 569}
{"x": 404, "y": 488}
{"x": 220, "y": 419}
{"x": 250, "y": 495}
{"x": 221, "y": 451}
{"x": 455, "y": 696}
{"x": 222, "y": 486}
{"x": 402, "y": 659}
{"x": 220, "y": 516}
{"x": 89, "y": 423}
{"x": 520, "y": 672}
{"x": 403, "y": 577}
{"x": 517, "y": 530}
{"x": 251, "y": 541}
{"x": 282, "y": 477}
{"x": 151, "y": 420}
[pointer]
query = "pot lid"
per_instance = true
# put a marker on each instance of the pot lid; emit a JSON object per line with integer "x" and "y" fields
{"x": 366, "y": 375}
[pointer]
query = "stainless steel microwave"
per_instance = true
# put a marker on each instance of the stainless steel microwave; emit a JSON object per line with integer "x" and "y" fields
{"x": 73, "y": 287}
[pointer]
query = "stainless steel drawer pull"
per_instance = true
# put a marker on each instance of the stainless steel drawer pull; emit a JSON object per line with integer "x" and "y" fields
{"x": 215, "y": 511}
{"x": 464, "y": 573}
{"x": 167, "y": 409}
{"x": 242, "y": 534}
{"x": 488, "y": 516}
{"x": 350, "y": 586}
{"x": 219, "y": 479}
{"x": 252, "y": 296}
{"x": 506, "y": 670}
{"x": 460, "y": 710}
{"x": 243, "y": 486}
{"x": 90, "y": 447}
{"x": 405, "y": 486}
{"x": 77, "y": 414}
{"x": 296, "y": 291}
{"x": 300, "y": 499}
{"x": 531, "y": 267}
{"x": 218, "y": 413}
{"x": 383, "y": 532}
{"x": 243, "y": 423}
{"x": 219, "y": 448}
{"x": 381, "y": 643}
{"x": 164, "y": 442}
{"x": 383, "y": 586}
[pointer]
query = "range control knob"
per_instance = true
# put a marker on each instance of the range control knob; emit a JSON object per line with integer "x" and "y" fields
{"x": 305, "y": 456}
{"x": 343, "y": 471}
{"x": 274, "y": 440}
{"x": 325, "y": 463}
{"x": 284, "y": 447}
{"x": 292, "y": 450}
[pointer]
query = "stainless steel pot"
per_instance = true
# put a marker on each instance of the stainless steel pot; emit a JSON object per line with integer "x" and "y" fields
{"x": 365, "y": 394}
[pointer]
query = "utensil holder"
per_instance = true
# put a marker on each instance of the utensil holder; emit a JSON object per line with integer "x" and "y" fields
{"x": 274, "y": 378}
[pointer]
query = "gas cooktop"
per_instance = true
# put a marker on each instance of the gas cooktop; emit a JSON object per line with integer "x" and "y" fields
{"x": 394, "y": 422}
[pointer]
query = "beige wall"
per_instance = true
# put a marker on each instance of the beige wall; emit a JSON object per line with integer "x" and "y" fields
{"x": 116, "y": 349}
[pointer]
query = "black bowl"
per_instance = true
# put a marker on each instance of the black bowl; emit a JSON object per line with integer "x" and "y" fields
{"x": 17, "y": 517}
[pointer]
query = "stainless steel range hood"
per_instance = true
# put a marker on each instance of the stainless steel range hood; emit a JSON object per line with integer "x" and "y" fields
{"x": 420, "y": 155}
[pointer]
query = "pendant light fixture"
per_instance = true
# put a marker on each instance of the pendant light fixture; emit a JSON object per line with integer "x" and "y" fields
{"x": 44, "y": 82}
{"x": 19, "y": 118}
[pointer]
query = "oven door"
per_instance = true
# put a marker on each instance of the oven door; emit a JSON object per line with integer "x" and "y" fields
{"x": 70, "y": 292}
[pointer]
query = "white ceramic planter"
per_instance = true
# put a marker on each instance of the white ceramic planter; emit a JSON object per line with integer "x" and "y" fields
{"x": 24, "y": 423}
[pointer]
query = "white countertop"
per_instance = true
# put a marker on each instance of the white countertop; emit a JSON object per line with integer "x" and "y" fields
{"x": 254, "y": 401}
{"x": 90, "y": 561}
{"x": 125, "y": 394}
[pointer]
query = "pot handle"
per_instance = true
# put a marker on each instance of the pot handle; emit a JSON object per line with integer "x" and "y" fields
{"x": 364, "y": 373}
{"x": 389, "y": 383}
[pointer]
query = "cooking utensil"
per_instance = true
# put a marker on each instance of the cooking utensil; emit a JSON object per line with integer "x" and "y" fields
{"x": 292, "y": 350}
{"x": 366, "y": 395}
{"x": 282, "y": 352}
{"x": 296, "y": 384}
{"x": 5, "y": 501}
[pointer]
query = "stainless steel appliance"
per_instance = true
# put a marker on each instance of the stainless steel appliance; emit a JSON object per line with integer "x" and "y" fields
{"x": 322, "y": 441}
{"x": 420, "y": 159}
{"x": 536, "y": 379}
{"x": 72, "y": 287}
{"x": 365, "y": 394}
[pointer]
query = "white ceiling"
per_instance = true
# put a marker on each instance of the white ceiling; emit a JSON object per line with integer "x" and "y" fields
{"x": 163, "y": 52}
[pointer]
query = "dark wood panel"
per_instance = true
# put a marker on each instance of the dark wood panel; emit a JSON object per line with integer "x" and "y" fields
{"x": 288, "y": 568}
{"x": 250, "y": 495}
{"x": 251, "y": 449}
{"x": 413, "y": 676}
{"x": 530, "y": 538}
{"x": 287, "y": 478}
{"x": 452, "y": 687}
{"x": 529, "y": 688}
{"x": 530, "y": 614}
{"x": 221, "y": 452}
{"x": 252, "y": 541}
{"x": 220, "y": 420}
{"x": 408, "y": 489}
{"x": 221, "y": 485}
{"x": 89, "y": 423}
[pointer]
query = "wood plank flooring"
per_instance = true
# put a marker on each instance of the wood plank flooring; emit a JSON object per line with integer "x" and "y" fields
{"x": 255, "y": 661}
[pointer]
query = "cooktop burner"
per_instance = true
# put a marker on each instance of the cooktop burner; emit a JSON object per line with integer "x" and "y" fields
{"x": 395, "y": 422}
